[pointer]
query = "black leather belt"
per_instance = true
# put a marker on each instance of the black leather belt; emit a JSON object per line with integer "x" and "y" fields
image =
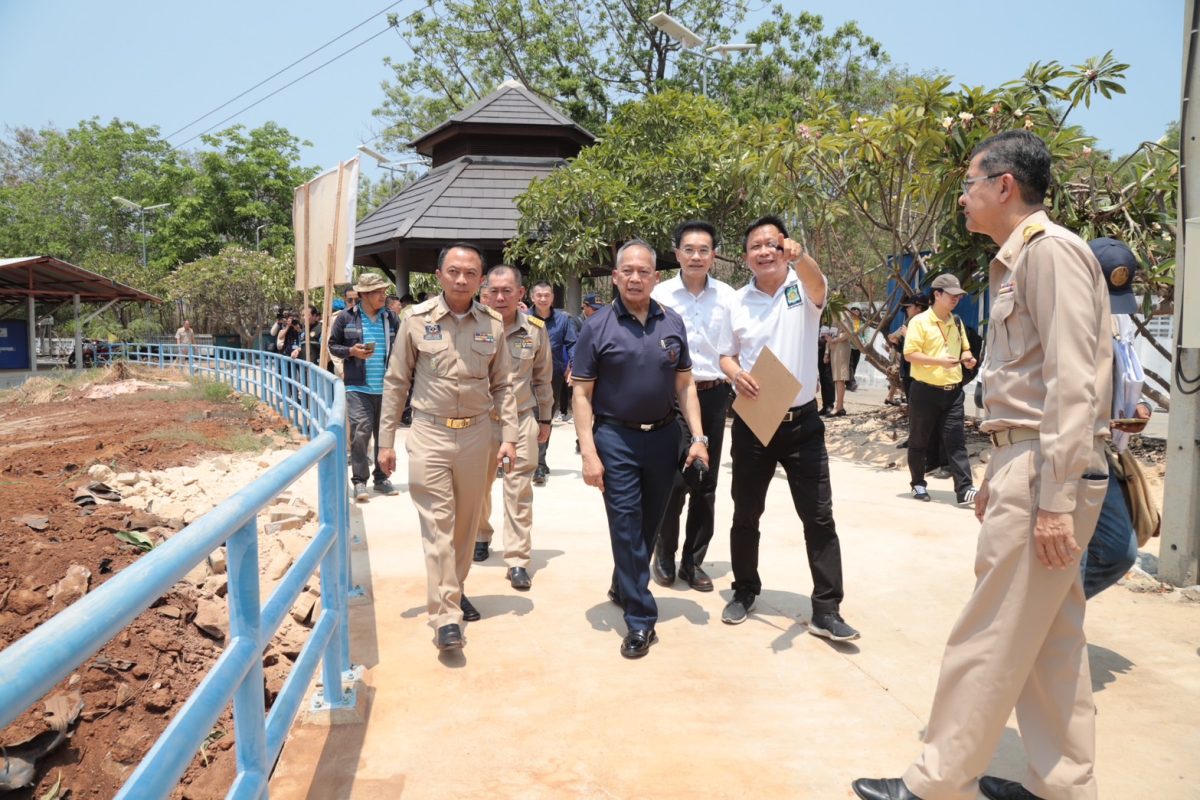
{"x": 703, "y": 385}
{"x": 795, "y": 412}
{"x": 949, "y": 387}
{"x": 637, "y": 426}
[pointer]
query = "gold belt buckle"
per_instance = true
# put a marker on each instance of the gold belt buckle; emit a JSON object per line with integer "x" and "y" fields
{"x": 458, "y": 423}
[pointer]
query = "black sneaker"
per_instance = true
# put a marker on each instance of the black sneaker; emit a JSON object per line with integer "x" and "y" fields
{"x": 385, "y": 487}
{"x": 919, "y": 493}
{"x": 539, "y": 476}
{"x": 481, "y": 551}
{"x": 738, "y": 609}
{"x": 967, "y": 498}
{"x": 830, "y": 625}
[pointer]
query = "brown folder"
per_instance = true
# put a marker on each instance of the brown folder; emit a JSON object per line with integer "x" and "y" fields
{"x": 777, "y": 387}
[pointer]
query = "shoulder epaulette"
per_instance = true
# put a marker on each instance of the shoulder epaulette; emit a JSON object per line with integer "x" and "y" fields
{"x": 1033, "y": 230}
{"x": 536, "y": 321}
{"x": 428, "y": 305}
{"x": 495, "y": 314}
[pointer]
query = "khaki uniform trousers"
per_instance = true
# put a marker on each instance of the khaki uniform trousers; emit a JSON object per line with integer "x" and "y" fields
{"x": 518, "y": 494}
{"x": 1018, "y": 643}
{"x": 446, "y": 473}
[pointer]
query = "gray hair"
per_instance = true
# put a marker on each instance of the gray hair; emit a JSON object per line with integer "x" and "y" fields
{"x": 637, "y": 243}
{"x": 502, "y": 268}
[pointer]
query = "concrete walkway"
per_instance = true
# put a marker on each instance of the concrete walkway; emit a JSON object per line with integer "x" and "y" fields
{"x": 541, "y": 705}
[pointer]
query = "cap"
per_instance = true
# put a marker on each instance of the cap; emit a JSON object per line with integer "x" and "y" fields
{"x": 592, "y": 300}
{"x": 1119, "y": 265}
{"x": 947, "y": 283}
{"x": 855, "y": 308}
{"x": 370, "y": 282}
{"x": 918, "y": 300}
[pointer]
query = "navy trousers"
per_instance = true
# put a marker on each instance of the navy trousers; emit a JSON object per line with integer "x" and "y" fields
{"x": 639, "y": 471}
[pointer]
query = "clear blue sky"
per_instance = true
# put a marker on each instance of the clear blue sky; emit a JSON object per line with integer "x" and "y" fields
{"x": 166, "y": 63}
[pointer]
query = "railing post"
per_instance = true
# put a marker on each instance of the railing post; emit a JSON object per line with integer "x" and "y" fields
{"x": 249, "y": 708}
{"x": 191, "y": 361}
{"x": 331, "y": 486}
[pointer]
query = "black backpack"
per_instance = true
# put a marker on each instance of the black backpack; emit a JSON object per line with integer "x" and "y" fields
{"x": 975, "y": 345}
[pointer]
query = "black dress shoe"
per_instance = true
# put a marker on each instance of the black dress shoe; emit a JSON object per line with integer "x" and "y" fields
{"x": 637, "y": 643}
{"x": 696, "y": 578}
{"x": 1000, "y": 789}
{"x": 662, "y": 571}
{"x": 882, "y": 789}
{"x": 519, "y": 578}
{"x": 481, "y": 551}
{"x": 470, "y": 613}
{"x": 449, "y": 637}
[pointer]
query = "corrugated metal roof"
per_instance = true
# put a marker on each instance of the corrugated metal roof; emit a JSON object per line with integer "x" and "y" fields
{"x": 472, "y": 197}
{"x": 511, "y": 104}
{"x": 48, "y": 278}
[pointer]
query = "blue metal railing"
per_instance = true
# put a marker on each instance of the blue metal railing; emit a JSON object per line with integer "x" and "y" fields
{"x": 314, "y": 401}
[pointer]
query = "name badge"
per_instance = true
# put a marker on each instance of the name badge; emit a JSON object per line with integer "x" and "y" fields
{"x": 792, "y": 295}
{"x": 433, "y": 332}
{"x": 485, "y": 337}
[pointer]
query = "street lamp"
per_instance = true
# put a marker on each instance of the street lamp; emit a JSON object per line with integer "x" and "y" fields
{"x": 392, "y": 166}
{"x": 141, "y": 217}
{"x": 686, "y": 37}
{"x": 256, "y": 232}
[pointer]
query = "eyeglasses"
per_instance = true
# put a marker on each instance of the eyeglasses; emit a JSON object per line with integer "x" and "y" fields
{"x": 966, "y": 185}
{"x": 703, "y": 252}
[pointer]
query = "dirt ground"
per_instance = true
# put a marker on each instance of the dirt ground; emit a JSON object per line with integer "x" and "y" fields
{"x": 53, "y": 549}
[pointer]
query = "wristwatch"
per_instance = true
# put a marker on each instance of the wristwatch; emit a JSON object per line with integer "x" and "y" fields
{"x": 700, "y": 440}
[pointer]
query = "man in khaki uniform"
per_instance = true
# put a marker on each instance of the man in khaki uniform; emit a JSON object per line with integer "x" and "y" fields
{"x": 449, "y": 352}
{"x": 1047, "y": 385}
{"x": 533, "y": 371}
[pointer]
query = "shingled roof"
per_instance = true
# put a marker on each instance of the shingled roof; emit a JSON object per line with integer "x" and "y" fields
{"x": 511, "y": 104}
{"x": 484, "y": 157}
{"x": 469, "y": 198}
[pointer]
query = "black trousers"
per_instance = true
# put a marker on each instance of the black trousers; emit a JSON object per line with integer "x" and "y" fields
{"x": 363, "y": 410}
{"x": 799, "y": 447}
{"x": 714, "y": 403}
{"x": 933, "y": 411}
{"x": 825, "y": 377}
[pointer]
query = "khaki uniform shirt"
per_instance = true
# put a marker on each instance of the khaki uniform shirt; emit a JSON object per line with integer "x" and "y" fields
{"x": 456, "y": 368}
{"x": 1049, "y": 351}
{"x": 533, "y": 366}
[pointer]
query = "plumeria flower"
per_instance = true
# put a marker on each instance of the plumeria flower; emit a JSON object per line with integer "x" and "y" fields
{"x": 1028, "y": 124}
{"x": 1087, "y": 151}
{"x": 947, "y": 122}
{"x": 966, "y": 116}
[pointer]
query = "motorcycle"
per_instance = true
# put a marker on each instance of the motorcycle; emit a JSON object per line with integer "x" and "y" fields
{"x": 96, "y": 352}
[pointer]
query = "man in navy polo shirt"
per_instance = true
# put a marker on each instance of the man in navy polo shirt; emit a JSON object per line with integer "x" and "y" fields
{"x": 631, "y": 363}
{"x": 561, "y": 331}
{"x": 781, "y": 308}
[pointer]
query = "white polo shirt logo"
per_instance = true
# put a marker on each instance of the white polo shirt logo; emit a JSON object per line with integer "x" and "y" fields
{"x": 792, "y": 295}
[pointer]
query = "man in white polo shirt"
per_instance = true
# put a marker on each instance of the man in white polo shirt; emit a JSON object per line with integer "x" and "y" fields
{"x": 781, "y": 308}
{"x": 703, "y": 302}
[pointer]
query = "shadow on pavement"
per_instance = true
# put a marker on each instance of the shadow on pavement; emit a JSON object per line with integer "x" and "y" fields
{"x": 607, "y": 616}
{"x": 1106, "y": 665}
{"x": 340, "y": 753}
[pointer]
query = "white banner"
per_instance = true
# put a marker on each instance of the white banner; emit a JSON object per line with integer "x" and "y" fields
{"x": 323, "y": 215}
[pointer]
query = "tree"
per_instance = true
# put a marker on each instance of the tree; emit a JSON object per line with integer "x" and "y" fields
{"x": 237, "y": 289}
{"x": 590, "y": 58}
{"x": 667, "y": 158}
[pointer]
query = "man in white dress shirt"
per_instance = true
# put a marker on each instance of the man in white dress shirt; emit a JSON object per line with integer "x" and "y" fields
{"x": 703, "y": 302}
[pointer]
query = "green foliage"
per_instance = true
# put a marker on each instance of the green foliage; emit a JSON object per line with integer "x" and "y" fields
{"x": 667, "y": 158}
{"x": 590, "y": 59}
{"x": 237, "y": 289}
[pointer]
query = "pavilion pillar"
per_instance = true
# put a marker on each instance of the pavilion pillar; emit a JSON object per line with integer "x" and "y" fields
{"x": 573, "y": 301}
{"x": 31, "y": 312}
{"x": 78, "y": 337}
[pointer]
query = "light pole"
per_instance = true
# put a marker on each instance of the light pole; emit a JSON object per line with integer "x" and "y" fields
{"x": 686, "y": 37}
{"x": 141, "y": 217}
{"x": 386, "y": 163}
{"x": 256, "y": 232}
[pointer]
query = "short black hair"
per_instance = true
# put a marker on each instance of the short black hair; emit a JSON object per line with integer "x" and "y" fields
{"x": 542, "y": 285}
{"x": 392, "y": 297}
{"x": 701, "y": 225}
{"x": 313, "y": 310}
{"x": 769, "y": 219}
{"x": 474, "y": 248}
{"x": 1023, "y": 155}
{"x": 408, "y": 298}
